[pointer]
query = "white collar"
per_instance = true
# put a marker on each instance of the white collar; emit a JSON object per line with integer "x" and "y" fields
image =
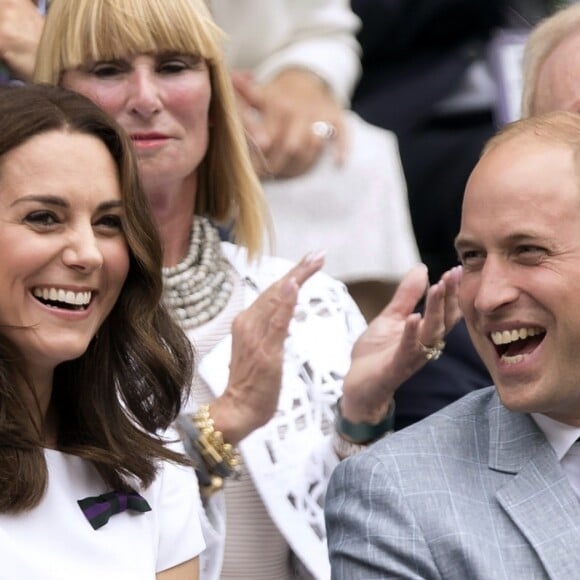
{"x": 560, "y": 436}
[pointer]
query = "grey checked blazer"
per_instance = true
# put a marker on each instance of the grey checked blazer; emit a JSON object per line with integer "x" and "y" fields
{"x": 473, "y": 492}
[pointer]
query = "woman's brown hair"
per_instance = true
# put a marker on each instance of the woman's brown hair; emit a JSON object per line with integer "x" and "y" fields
{"x": 113, "y": 401}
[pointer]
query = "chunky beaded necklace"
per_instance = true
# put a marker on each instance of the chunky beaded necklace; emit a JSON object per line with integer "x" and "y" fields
{"x": 199, "y": 287}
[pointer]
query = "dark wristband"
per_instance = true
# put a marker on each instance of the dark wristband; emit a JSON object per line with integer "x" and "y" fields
{"x": 363, "y": 432}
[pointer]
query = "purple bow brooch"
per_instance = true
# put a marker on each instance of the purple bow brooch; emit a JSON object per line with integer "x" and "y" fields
{"x": 100, "y": 508}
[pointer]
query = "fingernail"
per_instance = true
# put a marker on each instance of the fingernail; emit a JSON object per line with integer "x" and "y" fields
{"x": 314, "y": 256}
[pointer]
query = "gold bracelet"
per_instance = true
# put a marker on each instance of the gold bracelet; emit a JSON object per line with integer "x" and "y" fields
{"x": 217, "y": 483}
{"x": 220, "y": 457}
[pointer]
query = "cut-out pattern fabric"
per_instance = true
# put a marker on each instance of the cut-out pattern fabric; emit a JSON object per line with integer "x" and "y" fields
{"x": 290, "y": 459}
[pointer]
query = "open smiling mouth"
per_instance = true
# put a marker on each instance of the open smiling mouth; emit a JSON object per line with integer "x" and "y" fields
{"x": 63, "y": 299}
{"x": 513, "y": 345}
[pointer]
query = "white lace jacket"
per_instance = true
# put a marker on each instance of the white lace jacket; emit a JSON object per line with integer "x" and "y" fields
{"x": 291, "y": 457}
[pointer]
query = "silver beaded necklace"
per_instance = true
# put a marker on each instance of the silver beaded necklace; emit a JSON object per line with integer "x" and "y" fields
{"x": 199, "y": 287}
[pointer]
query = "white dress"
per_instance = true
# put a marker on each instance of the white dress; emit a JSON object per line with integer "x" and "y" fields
{"x": 54, "y": 541}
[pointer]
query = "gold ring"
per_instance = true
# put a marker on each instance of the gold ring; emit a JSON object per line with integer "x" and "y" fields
{"x": 432, "y": 352}
{"x": 323, "y": 129}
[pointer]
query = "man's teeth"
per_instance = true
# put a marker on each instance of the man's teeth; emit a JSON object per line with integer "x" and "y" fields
{"x": 65, "y": 296}
{"x": 507, "y": 336}
{"x": 512, "y": 360}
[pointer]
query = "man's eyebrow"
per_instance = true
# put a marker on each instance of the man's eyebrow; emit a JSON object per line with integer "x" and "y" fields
{"x": 462, "y": 241}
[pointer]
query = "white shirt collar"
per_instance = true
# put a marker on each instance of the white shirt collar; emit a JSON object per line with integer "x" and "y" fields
{"x": 559, "y": 435}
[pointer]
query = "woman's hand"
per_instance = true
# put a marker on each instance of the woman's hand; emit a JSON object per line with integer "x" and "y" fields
{"x": 20, "y": 30}
{"x": 391, "y": 349}
{"x": 258, "y": 336}
{"x": 279, "y": 117}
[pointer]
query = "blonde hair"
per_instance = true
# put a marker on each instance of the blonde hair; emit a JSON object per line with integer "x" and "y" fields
{"x": 545, "y": 37}
{"x": 77, "y": 32}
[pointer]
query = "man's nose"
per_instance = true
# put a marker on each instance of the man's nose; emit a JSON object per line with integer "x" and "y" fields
{"x": 495, "y": 288}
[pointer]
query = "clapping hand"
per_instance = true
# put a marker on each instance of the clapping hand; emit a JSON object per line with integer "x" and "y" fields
{"x": 258, "y": 336}
{"x": 397, "y": 343}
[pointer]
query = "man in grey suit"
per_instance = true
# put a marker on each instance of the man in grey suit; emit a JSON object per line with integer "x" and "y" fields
{"x": 488, "y": 488}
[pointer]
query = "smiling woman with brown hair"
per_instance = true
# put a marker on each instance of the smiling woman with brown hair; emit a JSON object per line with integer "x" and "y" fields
{"x": 92, "y": 367}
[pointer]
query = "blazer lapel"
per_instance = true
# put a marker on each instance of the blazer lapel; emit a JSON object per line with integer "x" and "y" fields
{"x": 538, "y": 499}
